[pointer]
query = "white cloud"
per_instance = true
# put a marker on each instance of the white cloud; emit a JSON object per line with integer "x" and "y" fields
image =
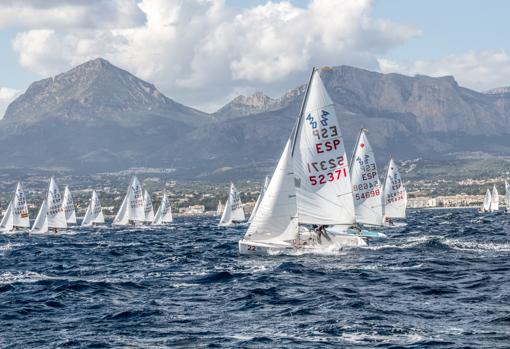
{"x": 477, "y": 70}
{"x": 200, "y": 51}
{"x": 7, "y": 95}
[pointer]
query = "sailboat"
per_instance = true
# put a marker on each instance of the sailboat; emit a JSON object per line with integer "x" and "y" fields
{"x": 16, "y": 215}
{"x": 94, "y": 214}
{"x": 494, "y": 199}
{"x": 257, "y": 203}
{"x": 310, "y": 185}
{"x": 507, "y": 196}
{"x": 68, "y": 205}
{"x": 486, "y": 205}
{"x": 233, "y": 212}
{"x": 131, "y": 211}
{"x": 394, "y": 196}
{"x": 366, "y": 186}
{"x": 164, "y": 212}
{"x": 51, "y": 214}
{"x": 147, "y": 208}
{"x": 219, "y": 209}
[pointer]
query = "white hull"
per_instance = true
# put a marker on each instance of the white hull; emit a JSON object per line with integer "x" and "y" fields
{"x": 271, "y": 248}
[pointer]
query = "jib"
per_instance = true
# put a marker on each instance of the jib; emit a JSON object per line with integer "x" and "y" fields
{"x": 327, "y": 146}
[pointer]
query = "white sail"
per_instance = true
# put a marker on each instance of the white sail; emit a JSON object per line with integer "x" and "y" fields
{"x": 148, "y": 208}
{"x": 122, "y": 216}
{"x": 136, "y": 202}
{"x": 132, "y": 208}
{"x": 507, "y": 196}
{"x": 94, "y": 214}
{"x": 7, "y": 222}
{"x": 68, "y": 206}
{"x": 486, "y": 205}
{"x": 56, "y": 215}
{"x": 41, "y": 221}
{"x": 394, "y": 193}
{"x": 219, "y": 209}
{"x": 494, "y": 199}
{"x": 226, "y": 217}
{"x": 257, "y": 203}
{"x": 20, "y": 213}
{"x": 164, "y": 213}
{"x": 323, "y": 185}
{"x": 276, "y": 216}
{"x": 366, "y": 187}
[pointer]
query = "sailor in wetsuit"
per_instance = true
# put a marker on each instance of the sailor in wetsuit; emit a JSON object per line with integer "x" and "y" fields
{"x": 320, "y": 230}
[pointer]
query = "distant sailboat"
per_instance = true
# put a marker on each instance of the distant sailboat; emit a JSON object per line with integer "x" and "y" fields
{"x": 507, "y": 196}
{"x": 394, "y": 195}
{"x": 68, "y": 205}
{"x": 164, "y": 212}
{"x": 257, "y": 203}
{"x": 131, "y": 211}
{"x": 51, "y": 214}
{"x": 310, "y": 185}
{"x": 494, "y": 199}
{"x": 219, "y": 209}
{"x": 148, "y": 208}
{"x": 233, "y": 212}
{"x": 16, "y": 215}
{"x": 486, "y": 205}
{"x": 366, "y": 187}
{"x": 94, "y": 214}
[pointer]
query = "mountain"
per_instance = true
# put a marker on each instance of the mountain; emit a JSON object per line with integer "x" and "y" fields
{"x": 499, "y": 90}
{"x": 93, "y": 117}
{"x": 97, "y": 117}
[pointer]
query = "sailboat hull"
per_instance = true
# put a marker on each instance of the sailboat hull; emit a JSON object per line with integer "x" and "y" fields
{"x": 337, "y": 242}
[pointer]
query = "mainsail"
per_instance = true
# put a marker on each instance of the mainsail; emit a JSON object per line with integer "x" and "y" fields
{"x": 394, "y": 193}
{"x": 276, "y": 217}
{"x": 164, "y": 213}
{"x": 132, "y": 208}
{"x": 68, "y": 205}
{"x": 94, "y": 214}
{"x": 16, "y": 215}
{"x": 322, "y": 181}
{"x": 366, "y": 187}
{"x": 257, "y": 203}
{"x": 494, "y": 199}
{"x": 233, "y": 212}
{"x": 486, "y": 206}
{"x": 147, "y": 207}
{"x": 56, "y": 215}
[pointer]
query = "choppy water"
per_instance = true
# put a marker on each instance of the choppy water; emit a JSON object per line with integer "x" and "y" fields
{"x": 442, "y": 281}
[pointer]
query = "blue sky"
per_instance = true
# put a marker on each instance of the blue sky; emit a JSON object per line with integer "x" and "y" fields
{"x": 467, "y": 39}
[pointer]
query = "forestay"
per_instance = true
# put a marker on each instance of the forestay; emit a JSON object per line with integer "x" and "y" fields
{"x": 366, "y": 186}
{"x": 394, "y": 195}
{"x": 276, "y": 217}
{"x": 323, "y": 185}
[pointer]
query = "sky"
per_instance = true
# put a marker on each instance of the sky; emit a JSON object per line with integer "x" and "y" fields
{"x": 203, "y": 53}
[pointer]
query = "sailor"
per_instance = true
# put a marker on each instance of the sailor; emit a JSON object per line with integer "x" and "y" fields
{"x": 389, "y": 221}
{"x": 320, "y": 230}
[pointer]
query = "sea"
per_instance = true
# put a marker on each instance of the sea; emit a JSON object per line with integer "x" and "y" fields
{"x": 442, "y": 281}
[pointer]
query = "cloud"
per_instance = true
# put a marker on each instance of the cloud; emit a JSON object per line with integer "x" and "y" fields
{"x": 7, "y": 95}
{"x": 201, "y": 51}
{"x": 480, "y": 71}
